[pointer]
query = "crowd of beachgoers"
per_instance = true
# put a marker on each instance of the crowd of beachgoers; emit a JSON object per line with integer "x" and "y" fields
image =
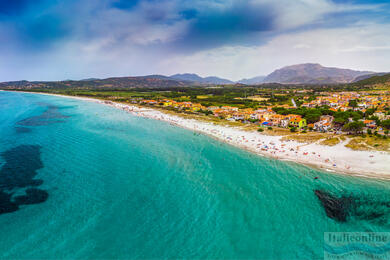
{"x": 337, "y": 158}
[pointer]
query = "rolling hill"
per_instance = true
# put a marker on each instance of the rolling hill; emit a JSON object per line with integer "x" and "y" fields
{"x": 359, "y": 78}
{"x": 374, "y": 80}
{"x": 152, "y": 81}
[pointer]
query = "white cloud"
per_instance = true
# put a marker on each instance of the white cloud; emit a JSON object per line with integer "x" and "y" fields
{"x": 362, "y": 48}
{"x": 293, "y": 14}
{"x": 366, "y": 48}
{"x": 112, "y": 42}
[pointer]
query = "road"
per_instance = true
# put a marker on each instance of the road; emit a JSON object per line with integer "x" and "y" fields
{"x": 293, "y": 101}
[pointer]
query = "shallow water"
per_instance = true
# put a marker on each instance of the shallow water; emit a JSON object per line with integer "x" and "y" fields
{"x": 84, "y": 180}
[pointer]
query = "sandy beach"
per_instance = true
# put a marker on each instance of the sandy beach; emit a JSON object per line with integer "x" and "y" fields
{"x": 336, "y": 158}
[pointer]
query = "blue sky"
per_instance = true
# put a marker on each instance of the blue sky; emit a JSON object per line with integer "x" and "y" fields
{"x": 75, "y": 39}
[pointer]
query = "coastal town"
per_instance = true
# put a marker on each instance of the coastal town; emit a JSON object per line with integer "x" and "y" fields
{"x": 331, "y": 112}
{"x": 330, "y": 152}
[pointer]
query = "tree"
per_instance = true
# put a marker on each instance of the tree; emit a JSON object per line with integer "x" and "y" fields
{"x": 281, "y": 110}
{"x": 370, "y": 111}
{"x": 386, "y": 123}
{"x": 356, "y": 115}
{"x": 353, "y": 103}
{"x": 312, "y": 116}
{"x": 354, "y": 127}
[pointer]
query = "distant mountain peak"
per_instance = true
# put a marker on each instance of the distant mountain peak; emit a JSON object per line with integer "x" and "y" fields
{"x": 252, "y": 81}
{"x": 313, "y": 73}
{"x": 187, "y": 76}
{"x": 196, "y": 78}
{"x": 306, "y": 65}
{"x": 88, "y": 79}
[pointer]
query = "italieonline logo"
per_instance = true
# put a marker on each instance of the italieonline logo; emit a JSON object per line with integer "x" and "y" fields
{"x": 357, "y": 245}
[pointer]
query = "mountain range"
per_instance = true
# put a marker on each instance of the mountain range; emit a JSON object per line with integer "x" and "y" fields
{"x": 308, "y": 73}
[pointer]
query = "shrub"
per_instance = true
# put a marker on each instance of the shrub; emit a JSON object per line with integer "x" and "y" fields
{"x": 293, "y": 129}
{"x": 260, "y": 130}
{"x": 208, "y": 112}
{"x": 269, "y": 128}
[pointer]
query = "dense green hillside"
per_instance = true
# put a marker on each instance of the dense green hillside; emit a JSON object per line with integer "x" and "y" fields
{"x": 155, "y": 81}
{"x": 374, "y": 80}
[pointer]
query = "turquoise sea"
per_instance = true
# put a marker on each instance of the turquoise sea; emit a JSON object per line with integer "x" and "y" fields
{"x": 84, "y": 180}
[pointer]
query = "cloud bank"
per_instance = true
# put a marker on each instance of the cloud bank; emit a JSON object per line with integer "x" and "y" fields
{"x": 55, "y": 40}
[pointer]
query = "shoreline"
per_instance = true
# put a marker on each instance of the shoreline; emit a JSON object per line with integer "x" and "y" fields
{"x": 332, "y": 159}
